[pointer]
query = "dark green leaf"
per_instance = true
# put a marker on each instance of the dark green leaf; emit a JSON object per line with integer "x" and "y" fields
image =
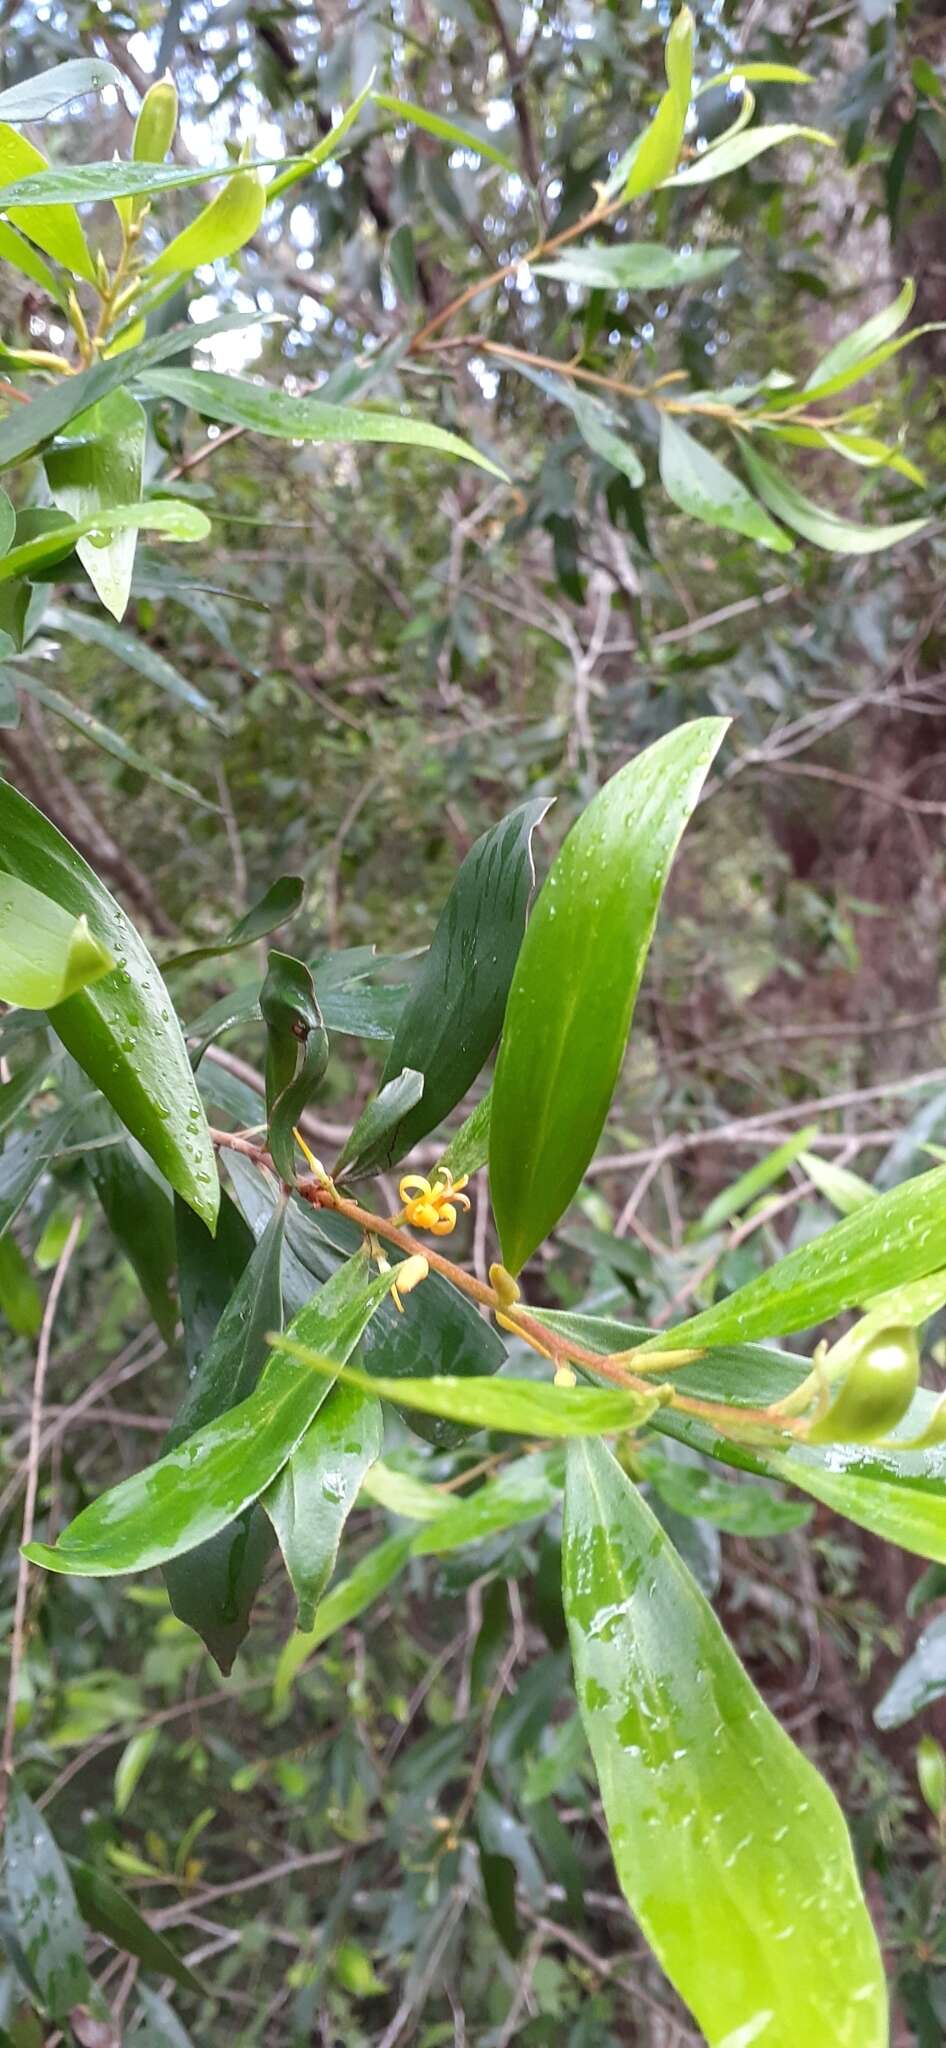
{"x": 317, "y": 1488}
{"x": 279, "y": 904}
{"x": 27, "y": 1156}
{"x": 138, "y": 1211}
{"x": 209, "y": 1268}
{"x": 729, "y": 1847}
{"x": 106, "y": 1909}
{"x": 576, "y": 980}
{"x": 702, "y": 486}
{"x": 296, "y": 1052}
{"x": 375, "y": 1141}
{"x": 129, "y": 649}
{"x": 20, "y": 1299}
{"x": 122, "y": 1030}
{"x": 43, "y": 1906}
{"x": 110, "y": 742}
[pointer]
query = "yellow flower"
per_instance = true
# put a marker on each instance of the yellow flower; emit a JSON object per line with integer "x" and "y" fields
{"x": 432, "y": 1205}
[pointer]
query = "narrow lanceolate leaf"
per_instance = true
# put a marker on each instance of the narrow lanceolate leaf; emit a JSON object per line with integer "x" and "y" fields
{"x": 101, "y": 465}
{"x": 317, "y": 1488}
{"x": 898, "y": 1237}
{"x": 453, "y": 1016}
{"x": 576, "y": 980}
{"x": 265, "y": 411}
{"x": 373, "y": 1144}
{"x": 110, "y": 742}
{"x": 107, "y": 1909}
{"x": 862, "y": 341}
{"x": 84, "y": 184}
{"x": 34, "y": 98}
{"x": 279, "y": 904}
{"x": 122, "y": 1029}
{"x": 174, "y": 518}
{"x": 468, "y": 1149}
{"x": 825, "y": 528}
{"x": 846, "y": 1191}
{"x": 903, "y": 1505}
{"x": 92, "y": 630}
{"x": 446, "y": 131}
{"x": 775, "y": 74}
{"x": 734, "y": 153}
{"x": 296, "y": 1052}
{"x": 26, "y": 1156}
{"x": 343, "y": 1604}
{"x": 55, "y": 229}
{"x": 46, "y": 954}
{"x": 522, "y": 1407}
{"x": 729, "y": 1847}
{"x": 21, "y": 255}
{"x": 138, "y": 1211}
{"x": 635, "y": 266}
{"x": 303, "y": 166}
{"x": 755, "y": 1182}
{"x": 223, "y": 227}
{"x": 212, "y": 1588}
{"x": 195, "y": 1490}
{"x": 43, "y": 1908}
{"x": 525, "y": 1490}
{"x": 703, "y": 486}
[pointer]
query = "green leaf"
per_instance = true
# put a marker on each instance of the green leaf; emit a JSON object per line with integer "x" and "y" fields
{"x": 729, "y": 1847}
{"x": 445, "y": 131}
{"x": 138, "y": 1211}
{"x": 225, "y": 224}
{"x": 468, "y": 1149}
{"x": 815, "y": 522}
{"x": 26, "y": 1156}
{"x": 862, "y": 341}
{"x": 46, "y": 954}
{"x": 657, "y": 151}
{"x": 99, "y": 466}
{"x": 576, "y": 980}
{"x": 110, "y": 742}
{"x": 897, "y": 1238}
{"x": 54, "y": 229}
{"x": 678, "y": 59}
{"x": 761, "y": 74}
{"x": 43, "y": 1907}
{"x": 375, "y": 1142}
{"x": 296, "y": 1052}
{"x": 519, "y": 1407}
{"x": 454, "y": 1013}
{"x": 209, "y": 1268}
{"x": 7, "y": 522}
{"x": 122, "y": 1030}
{"x": 733, "y": 154}
{"x": 195, "y": 1490}
{"x": 174, "y": 518}
{"x": 912, "y": 1515}
{"x": 242, "y": 403}
{"x": 280, "y": 903}
{"x": 526, "y": 1489}
{"x": 920, "y": 1681}
{"x": 702, "y": 486}
{"x": 755, "y": 1182}
{"x": 343, "y": 1604}
{"x": 741, "y": 1510}
{"x": 635, "y": 266}
{"x": 94, "y": 631}
{"x": 317, "y": 1488}
{"x": 34, "y": 98}
{"x": 846, "y": 1191}
{"x": 106, "y": 1909}
{"x": 131, "y": 1766}
{"x": 24, "y": 258}
{"x": 324, "y": 150}
{"x": 87, "y": 184}
{"x": 20, "y": 1298}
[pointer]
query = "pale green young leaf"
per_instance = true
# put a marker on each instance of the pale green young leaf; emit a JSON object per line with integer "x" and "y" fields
{"x": 46, "y": 954}
{"x": 702, "y": 486}
{"x": 229, "y": 220}
{"x": 520, "y": 1407}
{"x": 846, "y": 1191}
{"x": 99, "y": 465}
{"x": 735, "y": 151}
{"x": 446, "y": 131}
{"x": 816, "y": 522}
{"x": 862, "y": 341}
{"x": 754, "y": 1182}
{"x": 54, "y": 228}
{"x": 756, "y": 74}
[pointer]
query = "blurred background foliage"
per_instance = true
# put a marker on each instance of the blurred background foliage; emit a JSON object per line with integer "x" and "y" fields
{"x": 395, "y": 650}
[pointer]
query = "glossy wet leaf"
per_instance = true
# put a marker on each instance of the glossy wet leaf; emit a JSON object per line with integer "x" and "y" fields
{"x": 728, "y": 1845}
{"x": 105, "y": 1908}
{"x": 817, "y": 523}
{"x": 276, "y": 907}
{"x": 209, "y": 1269}
{"x": 454, "y": 1013}
{"x": 194, "y": 1491}
{"x": 919, "y": 1681}
{"x": 263, "y": 410}
{"x": 46, "y": 954}
{"x": 43, "y": 1907}
{"x": 99, "y": 465}
{"x": 701, "y": 485}
{"x": 365, "y": 1584}
{"x": 55, "y": 229}
{"x": 755, "y": 1182}
{"x": 576, "y": 980}
{"x": 376, "y": 1141}
{"x": 523, "y": 1407}
{"x": 121, "y": 1030}
{"x": 86, "y": 184}
{"x": 317, "y": 1488}
{"x": 34, "y": 98}
{"x": 895, "y": 1239}
{"x": 734, "y": 152}
{"x": 174, "y": 518}
{"x": 296, "y": 1053}
{"x": 212, "y": 1588}
{"x": 635, "y": 266}
{"x": 225, "y": 224}
{"x": 523, "y": 1491}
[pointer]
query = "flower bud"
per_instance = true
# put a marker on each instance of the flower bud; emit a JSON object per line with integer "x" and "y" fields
{"x": 875, "y": 1395}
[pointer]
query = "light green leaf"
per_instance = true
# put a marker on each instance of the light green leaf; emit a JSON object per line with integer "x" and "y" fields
{"x": 846, "y": 1191}
{"x": 815, "y": 522}
{"x": 862, "y": 341}
{"x": 296, "y": 1053}
{"x": 445, "y": 131}
{"x": 101, "y": 465}
{"x": 657, "y": 151}
{"x": 126, "y": 647}
{"x": 729, "y": 1847}
{"x": 678, "y": 59}
{"x": 576, "y": 981}
{"x": 20, "y": 1299}
{"x": 525, "y": 1489}
{"x": 173, "y": 517}
{"x": 702, "y": 486}
{"x": 635, "y": 266}
{"x": 912, "y": 1516}
{"x": 230, "y": 220}
{"x": 696, "y": 1492}
{"x": 520, "y": 1407}
{"x": 131, "y": 1766}
{"x": 754, "y": 1183}
{"x": 401, "y": 1494}
{"x": 122, "y": 1029}
{"x": 55, "y": 229}
{"x": 197, "y": 1489}
{"x": 262, "y": 410}
{"x": 343, "y": 1604}
{"x": 34, "y": 98}
{"x": 733, "y": 154}
{"x": 755, "y": 74}
{"x": 328, "y": 147}
{"x": 106, "y": 1909}
{"x": 317, "y": 1488}
{"x": 88, "y": 184}
{"x": 23, "y": 257}
{"x": 468, "y": 1149}
{"x": 46, "y": 954}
